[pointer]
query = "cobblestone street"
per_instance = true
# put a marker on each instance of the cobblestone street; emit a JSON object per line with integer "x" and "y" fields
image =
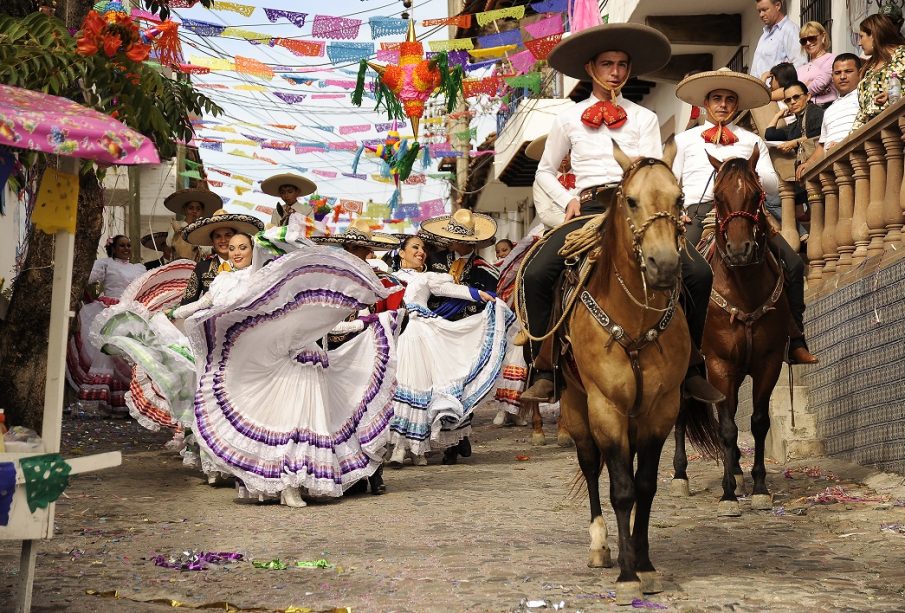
{"x": 498, "y": 532}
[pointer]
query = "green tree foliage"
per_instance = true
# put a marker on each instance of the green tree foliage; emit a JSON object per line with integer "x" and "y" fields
{"x": 38, "y": 53}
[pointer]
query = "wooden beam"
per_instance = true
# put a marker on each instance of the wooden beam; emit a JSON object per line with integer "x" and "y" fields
{"x": 723, "y": 29}
{"x": 681, "y": 65}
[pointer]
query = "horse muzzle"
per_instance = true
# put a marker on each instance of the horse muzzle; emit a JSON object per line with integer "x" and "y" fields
{"x": 662, "y": 273}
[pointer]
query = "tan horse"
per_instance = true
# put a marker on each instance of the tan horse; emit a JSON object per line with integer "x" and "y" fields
{"x": 630, "y": 345}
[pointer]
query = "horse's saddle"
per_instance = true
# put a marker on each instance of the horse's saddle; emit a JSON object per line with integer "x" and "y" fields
{"x": 580, "y": 252}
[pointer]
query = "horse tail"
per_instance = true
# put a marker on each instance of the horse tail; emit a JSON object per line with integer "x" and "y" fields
{"x": 702, "y": 428}
{"x": 578, "y": 487}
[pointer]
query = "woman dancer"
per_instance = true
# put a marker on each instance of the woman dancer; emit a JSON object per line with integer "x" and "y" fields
{"x": 99, "y": 378}
{"x": 273, "y": 408}
{"x": 445, "y": 367}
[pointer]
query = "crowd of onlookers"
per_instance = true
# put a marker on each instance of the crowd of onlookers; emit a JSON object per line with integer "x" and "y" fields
{"x": 821, "y": 96}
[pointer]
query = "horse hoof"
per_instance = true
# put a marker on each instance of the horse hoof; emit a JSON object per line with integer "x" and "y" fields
{"x": 679, "y": 488}
{"x": 762, "y": 502}
{"x": 627, "y": 592}
{"x": 564, "y": 440}
{"x": 650, "y": 582}
{"x": 739, "y": 485}
{"x": 538, "y": 439}
{"x": 600, "y": 558}
{"x": 728, "y": 508}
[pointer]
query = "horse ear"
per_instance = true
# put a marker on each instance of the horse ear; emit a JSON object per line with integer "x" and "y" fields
{"x": 714, "y": 162}
{"x": 621, "y": 158}
{"x": 752, "y": 161}
{"x": 669, "y": 150}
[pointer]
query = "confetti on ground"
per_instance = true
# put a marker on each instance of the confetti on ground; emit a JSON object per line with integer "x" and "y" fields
{"x": 834, "y": 494}
{"x": 196, "y": 560}
{"x": 893, "y": 529}
{"x": 810, "y": 471}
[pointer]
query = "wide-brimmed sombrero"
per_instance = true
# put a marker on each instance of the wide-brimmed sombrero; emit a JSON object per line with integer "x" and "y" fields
{"x": 208, "y": 199}
{"x": 752, "y": 92}
{"x": 648, "y": 48}
{"x": 463, "y": 226}
{"x": 535, "y": 149}
{"x": 271, "y": 185}
{"x": 359, "y": 234}
{"x": 199, "y": 233}
{"x": 155, "y": 241}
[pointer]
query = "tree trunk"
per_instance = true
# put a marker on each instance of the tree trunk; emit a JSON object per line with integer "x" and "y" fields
{"x": 23, "y": 336}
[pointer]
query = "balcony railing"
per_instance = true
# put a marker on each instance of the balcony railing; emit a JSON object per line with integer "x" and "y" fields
{"x": 857, "y": 200}
{"x": 503, "y": 116}
{"x": 737, "y": 62}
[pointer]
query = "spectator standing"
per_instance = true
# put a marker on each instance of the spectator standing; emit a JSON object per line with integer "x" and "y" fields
{"x": 840, "y": 115}
{"x": 817, "y": 72}
{"x": 779, "y": 41}
{"x": 884, "y": 44}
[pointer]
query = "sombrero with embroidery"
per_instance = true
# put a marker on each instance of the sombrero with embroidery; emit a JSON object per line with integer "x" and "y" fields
{"x": 535, "y": 149}
{"x": 199, "y": 233}
{"x": 155, "y": 241}
{"x": 752, "y": 92}
{"x": 208, "y": 199}
{"x": 648, "y": 48}
{"x": 463, "y": 226}
{"x": 271, "y": 185}
{"x": 359, "y": 234}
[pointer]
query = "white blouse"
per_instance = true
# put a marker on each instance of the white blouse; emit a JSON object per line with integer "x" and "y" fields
{"x": 114, "y": 275}
{"x": 420, "y": 286}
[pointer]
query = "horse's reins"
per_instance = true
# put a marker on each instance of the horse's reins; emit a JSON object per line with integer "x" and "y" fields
{"x": 747, "y": 319}
{"x": 760, "y": 238}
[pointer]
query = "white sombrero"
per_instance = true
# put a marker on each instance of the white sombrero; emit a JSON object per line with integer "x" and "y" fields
{"x": 359, "y": 234}
{"x": 648, "y": 48}
{"x": 752, "y": 92}
{"x": 199, "y": 233}
{"x": 209, "y": 200}
{"x": 463, "y": 226}
{"x": 271, "y": 185}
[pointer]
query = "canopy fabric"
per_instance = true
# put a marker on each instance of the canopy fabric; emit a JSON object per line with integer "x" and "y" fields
{"x": 41, "y": 122}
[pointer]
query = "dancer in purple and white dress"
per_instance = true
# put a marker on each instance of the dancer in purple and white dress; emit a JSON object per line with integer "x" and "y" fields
{"x": 446, "y": 367}
{"x": 272, "y": 407}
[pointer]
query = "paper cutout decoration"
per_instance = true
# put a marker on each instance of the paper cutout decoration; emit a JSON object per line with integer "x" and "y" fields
{"x": 7, "y": 490}
{"x": 297, "y": 19}
{"x": 57, "y": 201}
{"x": 46, "y": 476}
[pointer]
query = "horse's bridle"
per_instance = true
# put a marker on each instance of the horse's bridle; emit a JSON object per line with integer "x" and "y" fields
{"x": 639, "y": 232}
{"x": 760, "y": 239}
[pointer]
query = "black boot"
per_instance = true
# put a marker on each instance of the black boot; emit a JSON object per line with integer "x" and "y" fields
{"x": 376, "y": 482}
{"x": 465, "y": 448}
{"x": 451, "y": 455}
{"x": 696, "y": 384}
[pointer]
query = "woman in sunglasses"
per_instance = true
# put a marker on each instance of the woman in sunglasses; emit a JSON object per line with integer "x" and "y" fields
{"x": 798, "y": 137}
{"x": 817, "y": 74}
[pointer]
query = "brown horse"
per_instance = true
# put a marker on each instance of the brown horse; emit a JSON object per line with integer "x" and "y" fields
{"x": 747, "y": 326}
{"x": 623, "y": 385}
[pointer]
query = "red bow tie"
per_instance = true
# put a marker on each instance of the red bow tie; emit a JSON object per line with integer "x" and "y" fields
{"x": 607, "y": 113}
{"x": 719, "y": 135}
{"x": 567, "y": 180}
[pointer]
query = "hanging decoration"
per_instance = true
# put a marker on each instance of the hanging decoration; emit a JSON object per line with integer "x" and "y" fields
{"x": 326, "y": 26}
{"x": 387, "y": 26}
{"x": 297, "y": 19}
{"x": 403, "y": 88}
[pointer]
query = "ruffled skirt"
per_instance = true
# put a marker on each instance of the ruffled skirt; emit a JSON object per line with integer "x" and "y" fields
{"x": 446, "y": 368}
{"x": 272, "y": 407}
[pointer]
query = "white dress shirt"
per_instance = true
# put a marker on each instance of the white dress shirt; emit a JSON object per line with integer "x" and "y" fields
{"x": 298, "y": 207}
{"x": 696, "y": 174}
{"x": 778, "y": 44}
{"x": 592, "y": 149}
{"x": 839, "y": 118}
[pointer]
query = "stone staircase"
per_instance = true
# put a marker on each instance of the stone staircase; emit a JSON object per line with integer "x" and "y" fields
{"x": 784, "y": 441}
